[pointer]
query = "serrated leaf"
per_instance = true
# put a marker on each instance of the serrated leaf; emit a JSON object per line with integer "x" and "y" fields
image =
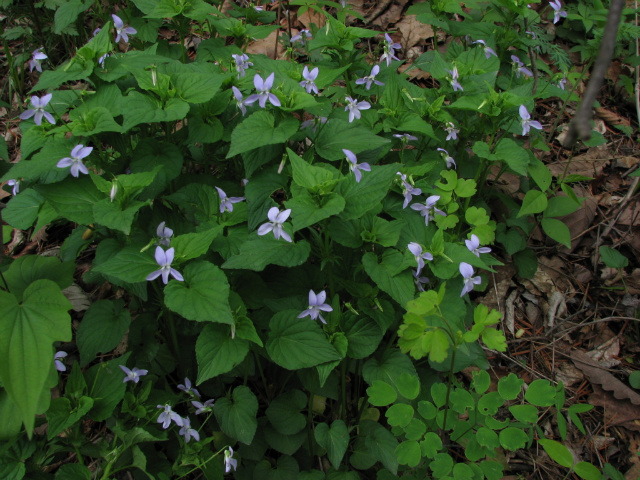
{"x": 23, "y": 209}
{"x": 386, "y": 275}
{"x": 193, "y": 245}
{"x": 256, "y": 253}
{"x": 305, "y": 174}
{"x": 306, "y": 212}
{"x": 102, "y": 327}
{"x": 30, "y": 268}
{"x": 61, "y": 416}
{"x": 338, "y": 134}
{"x": 237, "y": 416}
{"x": 217, "y": 352}
{"x": 73, "y": 198}
{"x": 258, "y": 130}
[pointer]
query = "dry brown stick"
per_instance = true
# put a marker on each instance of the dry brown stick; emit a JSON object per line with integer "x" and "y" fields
{"x": 381, "y": 7}
{"x": 581, "y": 124}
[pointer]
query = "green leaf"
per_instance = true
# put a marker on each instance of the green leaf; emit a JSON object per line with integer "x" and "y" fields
{"x": 587, "y": 471}
{"x": 112, "y": 215}
{"x": 30, "y": 268}
{"x": 128, "y": 265}
{"x": 557, "y": 451}
{"x": 381, "y": 394}
{"x": 256, "y": 253}
{"x": 193, "y": 245}
{"x": 363, "y": 334}
{"x": 338, "y": 134}
{"x": 102, "y": 328}
{"x": 613, "y": 258}
{"x": 237, "y": 416}
{"x": 369, "y": 193}
{"x": 408, "y": 386}
{"x": 306, "y": 212}
{"x": 27, "y": 332}
{"x": 148, "y": 155}
{"x": 217, "y": 352}
{"x": 259, "y": 129}
{"x": 431, "y": 444}
{"x": 513, "y": 439}
{"x": 509, "y": 387}
{"x": 96, "y": 120}
{"x": 140, "y": 108}
{"x": 540, "y": 393}
{"x": 388, "y": 277}
{"x": 514, "y": 155}
{"x": 534, "y": 202}
{"x": 298, "y": 343}
{"x": 203, "y": 296}
{"x": 560, "y": 206}
{"x": 307, "y": 175}
{"x": 634, "y": 379}
{"x": 388, "y": 368}
{"x": 284, "y": 413}
{"x": 557, "y": 230}
{"x": 73, "y": 471}
{"x": 106, "y": 387}
{"x": 61, "y": 416}
{"x": 334, "y": 440}
{"x": 399, "y": 414}
{"x": 23, "y": 209}
{"x": 196, "y": 86}
{"x": 73, "y": 198}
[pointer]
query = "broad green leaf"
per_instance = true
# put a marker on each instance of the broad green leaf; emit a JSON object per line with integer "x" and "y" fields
{"x": 560, "y": 206}
{"x": 73, "y": 198}
{"x": 388, "y": 368}
{"x": 196, "y": 87}
{"x": 87, "y": 123}
{"x": 193, "y": 245}
{"x": 408, "y": 385}
{"x": 203, "y": 296}
{"x": 74, "y": 69}
{"x": 399, "y": 414}
{"x": 217, "y": 352}
{"x": 513, "y": 439}
{"x": 73, "y": 471}
{"x": 296, "y": 343}
{"x": 102, "y": 328}
{"x": 148, "y": 154}
{"x": 10, "y": 422}
{"x": 514, "y": 155}
{"x": 61, "y": 416}
{"x": 284, "y": 413}
{"x": 256, "y": 253}
{"x": 112, "y": 215}
{"x": 540, "y": 393}
{"x": 140, "y": 108}
{"x": 42, "y": 166}
{"x": 286, "y": 469}
{"x": 363, "y": 334}
{"x": 246, "y": 330}
{"x": 587, "y": 471}
{"x": 30, "y": 268}
{"x": 487, "y": 437}
{"x": 409, "y": 453}
{"x": 398, "y": 284}
{"x": 524, "y": 413}
{"x": 259, "y": 129}
{"x": 286, "y": 444}
{"x": 106, "y": 387}
{"x": 237, "y": 416}
{"x": 369, "y": 193}
{"x": 613, "y": 258}
{"x": 557, "y": 451}
{"x": 23, "y": 209}
{"x": 305, "y": 174}
{"x": 338, "y": 134}
{"x": 306, "y": 212}
{"x": 557, "y": 230}
{"x": 334, "y": 440}
{"x": 28, "y": 329}
{"x": 431, "y": 444}
{"x": 128, "y": 265}
{"x": 509, "y": 387}
{"x": 441, "y": 465}
{"x": 534, "y": 202}
{"x": 381, "y": 393}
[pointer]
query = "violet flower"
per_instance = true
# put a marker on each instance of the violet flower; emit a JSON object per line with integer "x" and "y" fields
{"x": 188, "y": 389}
{"x": 448, "y": 159}
{"x": 164, "y": 234}
{"x": 36, "y": 57}
{"x": 122, "y": 31}
{"x": 562, "y": 84}
{"x": 356, "y": 167}
{"x": 408, "y": 190}
{"x": 354, "y": 108}
{"x": 240, "y": 101}
{"x": 226, "y": 203}
{"x": 452, "y": 131}
{"x": 488, "y": 51}
{"x": 369, "y": 79}
{"x": 188, "y": 432}
{"x": 316, "y": 305}
{"x": 405, "y": 137}
{"x": 420, "y": 282}
{"x": 466, "y": 271}
{"x": 389, "y": 50}
{"x": 132, "y": 375}
{"x": 203, "y": 407}
{"x": 309, "y": 80}
{"x": 557, "y": 10}
{"x": 57, "y": 359}
{"x": 520, "y": 68}
{"x": 454, "y": 80}
{"x": 168, "y": 415}
{"x": 102, "y": 59}
{"x": 426, "y": 208}
{"x": 302, "y": 36}
{"x": 420, "y": 256}
{"x": 38, "y": 104}
{"x": 164, "y": 260}
{"x": 229, "y": 461}
{"x": 527, "y": 123}
{"x": 75, "y": 161}
{"x": 313, "y": 122}
{"x": 277, "y": 219}
{"x": 474, "y": 246}
{"x": 15, "y": 184}
{"x": 263, "y": 86}
{"x": 242, "y": 63}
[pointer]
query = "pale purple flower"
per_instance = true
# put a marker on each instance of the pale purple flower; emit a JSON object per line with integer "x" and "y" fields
{"x": 408, "y": 190}
{"x": 57, "y": 360}
{"x": 420, "y": 256}
{"x": 167, "y": 415}
{"x": 188, "y": 432}
{"x": 242, "y": 63}
{"x": 240, "y": 101}
{"x": 277, "y": 219}
{"x": 188, "y": 389}
{"x": 75, "y": 161}
{"x": 203, "y": 407}
{"x": 96, "y": 32}
{"x": 389, "y": 50}
{"x": 405, "y": 137}
{"x": 164, "y": 260}
{"x": 226, "y": 203}
{"x": 36, "y": 58}
{"x": 263, "y": 86}
{"x": 520, "y": 68}
{"x": 15, "y": 184}
{"x": 527, "y": 123}
{"x": 420, "y": 282}
{"x": 557, "y": 10}
{"x": 466, "y": 271}
{"x": 313, "y": 122}
{"x": 164, "y": 234}
{"x": 448, "y": 159}
{"x": 369, "y": 79}
{"x": 229, "y": 461}
{"x": 122, "y": 31}
{"x": 488, "y": 51}
{"x": 354, "y": 108}
{"x": 114, "y": 190}
{"x": 452, "y": 131}
{"x": 454, "y": 79}
{"x": 316, "y": 305}
{"x": 258, "y": 8}
{"x": 426, "y": 208}
{"x": 102, "y": 59}
{"x": 532, "y": 34}
{"x": 302, "y": 36}
{"x": 562, "y": 84}
{"x": 38, "y": 104}
{"x": 132, "y": 375}
{"x": 354, "y": 166}
{"x": 309, "y": 80}
{"x": 474, "y": 246}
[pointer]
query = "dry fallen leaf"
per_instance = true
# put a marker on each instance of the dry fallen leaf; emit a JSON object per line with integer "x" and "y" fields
{"x": 413, "y": 32}
{"x": 267, "y": 46}
{"x": 616, "y": 412}
{"x": 601, "y": 377}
